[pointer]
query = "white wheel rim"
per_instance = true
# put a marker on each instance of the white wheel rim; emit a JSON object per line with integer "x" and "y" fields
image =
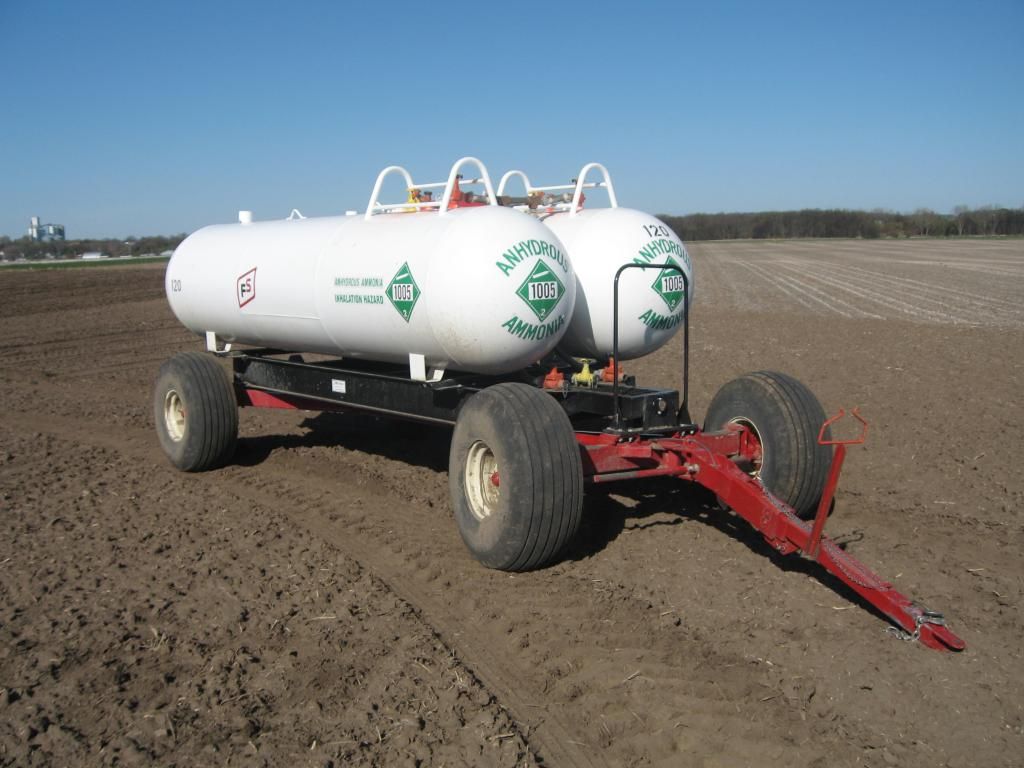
{"x": 747, "y": 423}
{"x": 174, "y": 416}
{"x": 481, "y": 480}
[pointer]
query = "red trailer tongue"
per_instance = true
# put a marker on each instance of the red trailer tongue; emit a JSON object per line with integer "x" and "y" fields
{"x": 709, "y": 459}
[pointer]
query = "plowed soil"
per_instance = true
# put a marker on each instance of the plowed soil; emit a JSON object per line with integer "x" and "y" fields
{"x": 313, "y": 604}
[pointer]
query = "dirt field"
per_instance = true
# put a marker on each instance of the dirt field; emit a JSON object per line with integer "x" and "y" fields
{"x": 313, "y": 604}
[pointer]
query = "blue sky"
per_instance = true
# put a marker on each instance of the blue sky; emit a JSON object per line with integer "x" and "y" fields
{"x": 155, "y": 118}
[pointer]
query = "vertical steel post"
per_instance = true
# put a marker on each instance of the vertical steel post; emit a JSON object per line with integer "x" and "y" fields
{"x": 814, "y": 543}
{"x": 617, "y": 419}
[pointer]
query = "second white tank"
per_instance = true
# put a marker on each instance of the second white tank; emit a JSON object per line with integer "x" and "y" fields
{"x": 651, "y": 301}
{"x": 599, "y": 241}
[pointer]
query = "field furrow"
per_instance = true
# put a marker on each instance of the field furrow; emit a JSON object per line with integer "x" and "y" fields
{"x": 312, "y": 603}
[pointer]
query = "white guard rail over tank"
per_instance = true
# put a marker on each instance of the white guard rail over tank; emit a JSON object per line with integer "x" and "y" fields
{"x": 375, "y": 207}
{"x": 577, "y": 185}
{"x": 474, "y": 287}
{"x": 600, "y": 241}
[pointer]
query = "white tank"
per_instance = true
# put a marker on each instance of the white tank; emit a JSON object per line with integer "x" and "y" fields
{"x": 599, "y": 241}
{"x": 483, "y": 289}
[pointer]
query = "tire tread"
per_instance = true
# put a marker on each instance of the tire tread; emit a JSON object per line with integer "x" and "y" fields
{"x": 549, "y": 498}
{"x": 211, "y": 412}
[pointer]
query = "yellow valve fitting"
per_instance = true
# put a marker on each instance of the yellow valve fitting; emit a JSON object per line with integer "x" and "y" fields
{"x": 586, "y": 377}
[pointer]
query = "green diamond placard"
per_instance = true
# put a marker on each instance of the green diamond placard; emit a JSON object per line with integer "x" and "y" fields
{"x": 670, "y": 286}
{"x": 403, "y": 293}
{"x": 541, "y": 290}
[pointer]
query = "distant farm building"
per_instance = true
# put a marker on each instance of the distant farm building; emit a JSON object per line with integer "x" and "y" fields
{"x": 44, "y": 233}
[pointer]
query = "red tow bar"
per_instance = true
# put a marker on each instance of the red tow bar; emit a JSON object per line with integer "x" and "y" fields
{"x": 709, "y": 460}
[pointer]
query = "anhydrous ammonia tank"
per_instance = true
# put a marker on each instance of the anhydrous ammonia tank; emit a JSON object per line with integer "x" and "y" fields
{"x": 599, "y": 241}
{"x": 484, "y": 289}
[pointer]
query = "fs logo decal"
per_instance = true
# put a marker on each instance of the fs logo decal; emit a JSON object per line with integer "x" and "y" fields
{"x": 246, "y": 288}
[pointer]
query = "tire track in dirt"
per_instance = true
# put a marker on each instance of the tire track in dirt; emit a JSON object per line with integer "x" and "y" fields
{"x": 232, "y": 603}
{"x": 603, "y": 695}
{"x": 553, "y": 740}
{"x": 634, "y": 680}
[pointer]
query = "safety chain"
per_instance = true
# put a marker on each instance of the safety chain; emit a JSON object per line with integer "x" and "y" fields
{"x": 925, "y": 617}
{"x": 860, "y": 578}
{"x": 779, "y": 505}
{"x": 855, "y": 575}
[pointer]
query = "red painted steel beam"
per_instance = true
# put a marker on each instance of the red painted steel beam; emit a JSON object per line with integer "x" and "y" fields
{"x": 257, "y": 398}
{"x": 706, "y": 459}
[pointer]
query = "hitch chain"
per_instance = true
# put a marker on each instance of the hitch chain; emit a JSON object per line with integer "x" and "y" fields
{"x": 777, "y": 503}
{"x": 925, "y": 617}
{"x": 853, "y": 575}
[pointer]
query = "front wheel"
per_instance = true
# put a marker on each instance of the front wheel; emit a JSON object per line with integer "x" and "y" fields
{"x": 784, "y": 417}
{"x": 515, "y": 477}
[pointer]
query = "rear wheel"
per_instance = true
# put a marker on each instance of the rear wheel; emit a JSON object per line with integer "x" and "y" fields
{"x": 515, "y": 476}
{"x": 195, "y": 412}
{"x": 784, "y": 418}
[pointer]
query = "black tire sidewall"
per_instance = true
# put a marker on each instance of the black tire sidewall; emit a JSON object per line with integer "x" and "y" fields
{"x": 540, "y": 474}
{"x": 497, "y": 540}
{"x": 211, "y": 413}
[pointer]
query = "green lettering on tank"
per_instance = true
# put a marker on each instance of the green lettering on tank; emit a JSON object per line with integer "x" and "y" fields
{"x": 541, "y": 290}
{"x": 403, "y": 292}
{"x": 530, "y": 331}
{"x": 522, "y": 250}
{"x": 657, "y": 322}
{"x": 659, "y": 246}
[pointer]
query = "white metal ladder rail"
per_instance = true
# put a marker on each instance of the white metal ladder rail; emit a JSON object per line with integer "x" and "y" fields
{"x": 577, "y": 185}
{"x": 375, "y": 207}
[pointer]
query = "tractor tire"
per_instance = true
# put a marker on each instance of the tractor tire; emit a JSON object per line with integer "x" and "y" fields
{"x": 786, "y": 417}
{"x": 196, "y": 413}
{"x": 515, "y": 476}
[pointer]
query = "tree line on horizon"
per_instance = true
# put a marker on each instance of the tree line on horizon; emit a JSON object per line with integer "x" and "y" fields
{"x": 33, "y": 250}
{"x": 811, "y": 222}
{"x": 815, "y": 222}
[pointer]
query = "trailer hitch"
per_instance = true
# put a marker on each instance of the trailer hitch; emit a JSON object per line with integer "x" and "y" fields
{"x": 707, "y": 459}
{"x": 787, "y": 533}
